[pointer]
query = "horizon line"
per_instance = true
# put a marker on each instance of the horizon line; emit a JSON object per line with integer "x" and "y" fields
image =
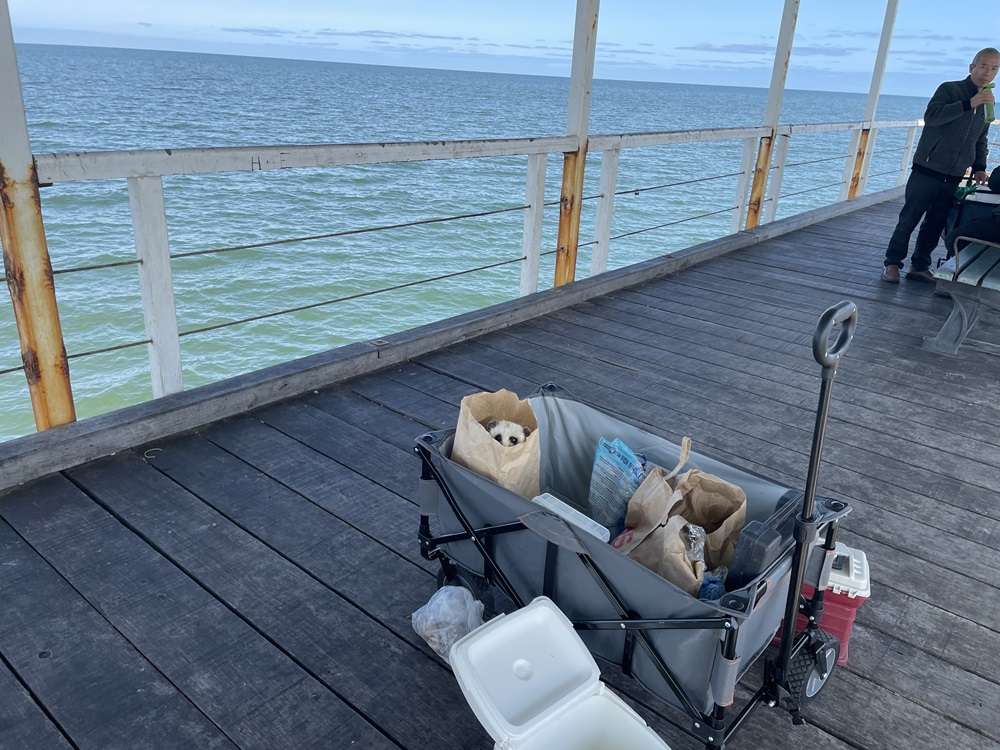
{"x": 420, "y": 67}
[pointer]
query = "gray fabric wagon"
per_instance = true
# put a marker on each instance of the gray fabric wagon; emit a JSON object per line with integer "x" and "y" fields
{"x": 688, "y": 652}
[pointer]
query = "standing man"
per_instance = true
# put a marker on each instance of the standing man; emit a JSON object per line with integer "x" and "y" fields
{"x": 954, "y": 139}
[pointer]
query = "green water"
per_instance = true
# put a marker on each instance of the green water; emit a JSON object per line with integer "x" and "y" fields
{"x": 96, "y": 99}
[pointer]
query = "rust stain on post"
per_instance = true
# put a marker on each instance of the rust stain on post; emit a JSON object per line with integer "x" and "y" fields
{"x": 760, "y": 173}
{"x": 569, "y": 215}
{"x": 859, "y": 161}
{"x": 32, "y": 292}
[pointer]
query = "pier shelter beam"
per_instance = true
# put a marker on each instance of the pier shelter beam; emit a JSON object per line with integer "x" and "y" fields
{"x": 863, "y": 140}
{"x": 571, "y": 194}
{"x": 26, "y": 253}
{"x": 775, "y": 95}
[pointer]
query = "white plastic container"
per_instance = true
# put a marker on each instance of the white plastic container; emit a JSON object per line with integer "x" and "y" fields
{"x": 571, "y": 515}
{"x": 533, "y": 685}
{"x": 849, "y": 574}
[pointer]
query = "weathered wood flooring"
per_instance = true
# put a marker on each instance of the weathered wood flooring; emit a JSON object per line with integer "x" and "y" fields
{"x": 250, "y": 586}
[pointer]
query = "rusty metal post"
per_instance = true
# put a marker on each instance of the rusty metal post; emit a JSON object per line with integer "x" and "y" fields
{"x": 26, "y": 254}
{"x": 574, "y": 162}
{"x": 859, "y": 160}
{"x": 859, "y": 155}
{"x": 775, "y": 94}
{"x": 760, "y": 172}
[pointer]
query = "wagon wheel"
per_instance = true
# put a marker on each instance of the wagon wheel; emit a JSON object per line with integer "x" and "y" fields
{"x": 810, "y": 669}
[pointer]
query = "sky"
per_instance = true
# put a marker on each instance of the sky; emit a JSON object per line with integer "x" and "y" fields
{"x": 684, "y": 41}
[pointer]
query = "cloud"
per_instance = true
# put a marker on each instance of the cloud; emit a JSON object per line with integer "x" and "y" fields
{"x": 740, "y": 49}
{"x": 258, "y": 31}
{"x": 381, "y": 34}
{"x": 928, "y": 37}
{"x": 146, "y": 24}
{"x": 626, "y": 51}
{"x": 768, "y": 49}
{"x": 852, "y": 32}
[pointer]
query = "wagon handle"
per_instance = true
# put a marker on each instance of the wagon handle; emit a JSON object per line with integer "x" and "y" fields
{"x": 844, "y": 314}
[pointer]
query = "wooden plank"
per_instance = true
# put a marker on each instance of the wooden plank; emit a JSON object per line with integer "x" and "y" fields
{"x": 929, "y": 621}
{"x": 743, "y": 183}
{"x": 33, "y": 456}
{"x": 968, "y": 645}
{"x": 973, "y": 273}
{"x": 954, "y": 551}
{"x": 26, "y": 262}
{"x": 390, "y": 465}
{"x": 975, "y": 400}
{"x": 605, "y": 210}
{"x": 992, "y": 279}
{"x": 842, "y": 706}
{"x": 91, "y": 680}
{"x": 249, "y": 689}
{"x": 152, "y": 247}
{"x": 929, "y": 510}
{"x": 531, "y": 243}
{"x": 953, "y": 441}
{"x": 393, "y": 683}
{"x": 23, "y": 723}
{"x": 925, "y": 679}
{"x": 951, "y": 590}
{"x": 965, "y": 256}
{"x": 109, "y": 165}
{"x": 668, "y": 137}
{"x": 371, "y": 417}
{"x": 360, "y": 569}
{"x": 962, "y": 418}
{"x": 353, "y": 498}
{"x": 938, "y": 698}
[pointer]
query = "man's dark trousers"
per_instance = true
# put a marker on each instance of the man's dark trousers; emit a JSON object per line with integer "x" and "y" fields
{"x": 930, "y": 196}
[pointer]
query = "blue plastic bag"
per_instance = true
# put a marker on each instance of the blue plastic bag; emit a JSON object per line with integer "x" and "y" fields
{"x": 617, "y": 474}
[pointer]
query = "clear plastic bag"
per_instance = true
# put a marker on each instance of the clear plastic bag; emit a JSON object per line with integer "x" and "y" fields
{"x": 451, "y": 614}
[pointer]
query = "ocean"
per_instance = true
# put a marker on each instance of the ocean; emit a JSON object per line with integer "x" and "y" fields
{"x": 80, "y": 98}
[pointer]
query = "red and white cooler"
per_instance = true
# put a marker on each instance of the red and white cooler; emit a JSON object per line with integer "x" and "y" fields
{"x": 847, "y": 587}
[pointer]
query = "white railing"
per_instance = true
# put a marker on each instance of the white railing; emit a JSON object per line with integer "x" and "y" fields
{"x": 145, "y": 169}
{"x": 28, "y": 267}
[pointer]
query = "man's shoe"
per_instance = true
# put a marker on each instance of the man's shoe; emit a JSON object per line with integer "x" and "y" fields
{"x": 890, "y": 274}
{"x": 925, "y": 276}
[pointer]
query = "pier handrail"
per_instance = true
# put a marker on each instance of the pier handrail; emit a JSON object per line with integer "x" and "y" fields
{"x": 145, "y": 168}
{"x": 30, "y": 276}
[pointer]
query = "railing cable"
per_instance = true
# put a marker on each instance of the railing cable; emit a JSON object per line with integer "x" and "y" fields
{"x": 347, "y": 298}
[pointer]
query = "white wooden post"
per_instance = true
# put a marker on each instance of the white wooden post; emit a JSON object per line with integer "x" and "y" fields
{"x": 577, "y": 124}
{"x": 851, "y": 168}
{"x": 904, "y": 165}
{"x": 774, "y": 190}
{"x": 26, "y": 254}
{"x": 532, "y": 242}
{"x": 743, "y": 185}
{"x": 775, "y": 95}
{"x": 149, "y": 222}
{"x": 605, "y": 210}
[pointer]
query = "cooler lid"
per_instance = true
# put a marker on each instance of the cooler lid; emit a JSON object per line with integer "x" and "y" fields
{"x": 849, "y": 573}
{"x": 518, "y": 669}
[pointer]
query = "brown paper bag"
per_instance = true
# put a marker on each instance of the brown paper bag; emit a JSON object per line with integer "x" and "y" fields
{"x": 718, "y": 506}
{"x": 514, "y": 467}
{"x": 652, "y": 537}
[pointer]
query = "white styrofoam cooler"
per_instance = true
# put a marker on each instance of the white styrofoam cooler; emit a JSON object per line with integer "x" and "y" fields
{"x": 533, "y": 685}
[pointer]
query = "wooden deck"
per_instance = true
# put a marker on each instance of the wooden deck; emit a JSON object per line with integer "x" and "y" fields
{"x": 251, "y": 585}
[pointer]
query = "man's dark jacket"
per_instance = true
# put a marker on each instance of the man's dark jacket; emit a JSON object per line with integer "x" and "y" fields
{"x": 954, "y": 136}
